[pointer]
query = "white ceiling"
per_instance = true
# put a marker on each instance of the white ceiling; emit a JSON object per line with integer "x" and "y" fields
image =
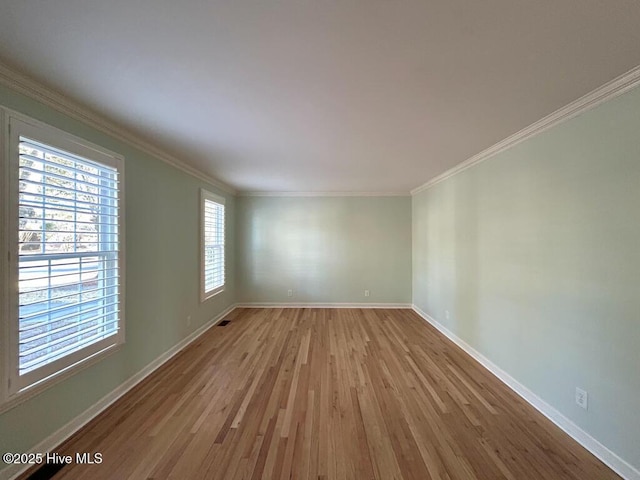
{"x": 322, "y": 95}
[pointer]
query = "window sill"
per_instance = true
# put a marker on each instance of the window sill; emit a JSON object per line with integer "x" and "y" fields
{"x": 207, "y": 296}
{"x": 52, "y": 380}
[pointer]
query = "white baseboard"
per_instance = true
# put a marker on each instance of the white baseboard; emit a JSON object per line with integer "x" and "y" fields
{"x": 323, "y": 305}
{"x": 54, "y": 440}
{"x": 617, "y": 464}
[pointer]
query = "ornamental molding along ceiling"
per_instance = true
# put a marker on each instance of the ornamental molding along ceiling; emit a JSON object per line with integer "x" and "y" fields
{"x": 23, "y": 84}
{"x": 606, "y": 92}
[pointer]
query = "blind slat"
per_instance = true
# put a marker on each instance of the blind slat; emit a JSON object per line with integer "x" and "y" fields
{"x": 59, "y": 276}
{"x": 54, "y": 355}
{"x": 38, "y": 336}
{"x": 71, "y": 316}
{"x": 30, "y": 143}
{"x": 107, "y": 184}
{"x": 50, "y": 187}
{"x": 88, "y": 291}
{"x": 62, "y": 308}
{"x": 65, "y": 205}
{"x": 66, "y": 338}
{"x": 66, "y": 285}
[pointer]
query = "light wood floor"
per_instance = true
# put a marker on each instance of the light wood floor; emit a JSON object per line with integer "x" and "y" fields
{"x": 326, "y": 394}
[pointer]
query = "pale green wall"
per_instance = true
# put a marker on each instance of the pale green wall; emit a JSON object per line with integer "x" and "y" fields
{"x": 326, "y": 249}
{"x": 536, "y": 254}
{"x": 162, "y": 276}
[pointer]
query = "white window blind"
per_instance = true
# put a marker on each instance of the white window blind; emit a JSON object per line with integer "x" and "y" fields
{"x": 68, "y": 268}
{"x": 212, "y": 244}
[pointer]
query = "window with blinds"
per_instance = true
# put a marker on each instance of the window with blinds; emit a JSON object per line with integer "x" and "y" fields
{"x": 67, "y": 206}
{"x": 212, "y": 239}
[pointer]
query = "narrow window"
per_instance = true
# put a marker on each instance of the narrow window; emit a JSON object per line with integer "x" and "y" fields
{"x": 212, "y": 244}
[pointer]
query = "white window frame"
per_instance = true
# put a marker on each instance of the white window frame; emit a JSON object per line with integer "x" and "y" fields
{"x": 207, "y": 195}
{"x": 14, "y": 389}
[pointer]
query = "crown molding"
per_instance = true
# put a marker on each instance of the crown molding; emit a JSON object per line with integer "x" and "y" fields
{"x": 324, "y": 194}
{"x": 609, "y": 90}
{"x": 25, "y": 85}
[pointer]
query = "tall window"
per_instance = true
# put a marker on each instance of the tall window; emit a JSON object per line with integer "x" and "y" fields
{"x": 212, "y": 244}
{"x": 64, "y": 243}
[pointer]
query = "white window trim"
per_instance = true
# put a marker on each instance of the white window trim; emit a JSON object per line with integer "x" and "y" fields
{"x": 12, "y": 125}
{"x": 207, "y": 195}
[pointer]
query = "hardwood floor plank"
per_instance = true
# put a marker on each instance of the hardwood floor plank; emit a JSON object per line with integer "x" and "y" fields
{"x": 326, "y": 394}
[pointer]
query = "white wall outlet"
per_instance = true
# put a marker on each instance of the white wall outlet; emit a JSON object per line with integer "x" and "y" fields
{"x": 366, "y": 293}
{"x": 582, "y": 398}
{"x": 447, "y": 314}
{"x": 289, "y": 293}
{"x": 188, "y": 319}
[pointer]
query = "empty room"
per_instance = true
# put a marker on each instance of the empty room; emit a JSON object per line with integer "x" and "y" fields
{"x": 320, "y": 239}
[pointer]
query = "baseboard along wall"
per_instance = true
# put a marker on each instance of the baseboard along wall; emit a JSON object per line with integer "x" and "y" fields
{"x": 323, "y": 305}
{"x": 54, "y": 440}
{"x": 609, "y": 458}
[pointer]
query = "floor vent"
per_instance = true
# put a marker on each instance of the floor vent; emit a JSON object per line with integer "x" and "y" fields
{"x": 47, "y": 471}
{"x": 223, "y": 323}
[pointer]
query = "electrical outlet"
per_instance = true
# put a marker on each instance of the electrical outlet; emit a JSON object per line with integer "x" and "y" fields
{"x": 289, "y": 293}
{"x": 188, "y": 319}
{"x": 366, "y": 293}
{"x": 582, "y": 398}
{"x": 447, "y": 314}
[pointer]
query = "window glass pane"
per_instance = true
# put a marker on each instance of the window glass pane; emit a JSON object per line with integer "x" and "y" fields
{"x": 213, "y": 240}
{"x": 68, "y": 254}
